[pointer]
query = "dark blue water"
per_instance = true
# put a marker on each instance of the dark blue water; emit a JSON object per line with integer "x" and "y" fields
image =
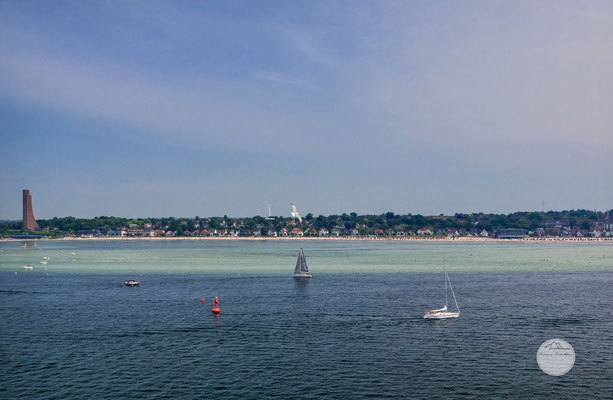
{"x": 344, "y": 336}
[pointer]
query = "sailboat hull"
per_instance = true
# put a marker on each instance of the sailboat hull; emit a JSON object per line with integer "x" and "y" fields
{"x": 442, "y": 315}
{"x": 303, "y": 276}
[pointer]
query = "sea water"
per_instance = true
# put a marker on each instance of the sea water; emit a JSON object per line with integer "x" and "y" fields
{"x": 71, "y": 329}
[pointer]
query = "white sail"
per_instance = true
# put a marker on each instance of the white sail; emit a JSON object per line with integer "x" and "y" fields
{"x": 299, "y": 262}
{"x": 302, "y": 269}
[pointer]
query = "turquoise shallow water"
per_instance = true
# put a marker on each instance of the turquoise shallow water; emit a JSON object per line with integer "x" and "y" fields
{"x": 354, "y": 331}
{"x": 324, "y": 257}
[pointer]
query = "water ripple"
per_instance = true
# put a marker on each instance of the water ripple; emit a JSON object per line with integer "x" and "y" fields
{"x": 334, "y": 338}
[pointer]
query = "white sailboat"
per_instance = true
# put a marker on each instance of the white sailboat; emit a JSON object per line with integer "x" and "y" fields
{"x": 302, "y": 269}
{"x": 444, "y": 313}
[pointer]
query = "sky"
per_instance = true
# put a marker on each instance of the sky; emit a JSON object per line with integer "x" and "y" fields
{"x": 210, "y": 108}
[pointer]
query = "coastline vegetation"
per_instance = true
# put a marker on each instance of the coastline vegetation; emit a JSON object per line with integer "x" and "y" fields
{"x": 551, "y": 223}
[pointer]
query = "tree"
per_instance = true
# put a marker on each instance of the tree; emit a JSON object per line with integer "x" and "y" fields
{"x": 215, "y": 223}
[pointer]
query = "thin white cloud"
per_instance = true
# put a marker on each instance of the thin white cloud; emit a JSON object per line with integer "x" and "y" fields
{"x": 307, "y": 44}
{"x": 278, "y": 77}
{"x": 204, "y": 113}
{"x": 517, "y": 74}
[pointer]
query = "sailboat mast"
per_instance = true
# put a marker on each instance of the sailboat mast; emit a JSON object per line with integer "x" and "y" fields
{"x": 454, "y": 299}
{"x": 445, "y": 267}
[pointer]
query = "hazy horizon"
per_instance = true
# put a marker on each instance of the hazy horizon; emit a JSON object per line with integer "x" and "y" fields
{"x": 191, "y": 108}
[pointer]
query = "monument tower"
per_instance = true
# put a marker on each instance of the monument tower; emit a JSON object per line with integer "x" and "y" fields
{"x": 29, "y": 223}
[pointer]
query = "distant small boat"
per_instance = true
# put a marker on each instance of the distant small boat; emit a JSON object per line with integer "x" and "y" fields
{"x": 302, "y": 269}
{"x": 28, "y": 267}
{"x": 444, "y": 313}
{"x": 131, "y": 283}
{"x": 44, "y": 262}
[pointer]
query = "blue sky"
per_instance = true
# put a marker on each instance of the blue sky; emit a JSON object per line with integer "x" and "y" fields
{"x": 154, "y": 108}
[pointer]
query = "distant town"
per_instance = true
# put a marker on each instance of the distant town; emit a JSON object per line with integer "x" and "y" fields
{"x": 561, "y": 224}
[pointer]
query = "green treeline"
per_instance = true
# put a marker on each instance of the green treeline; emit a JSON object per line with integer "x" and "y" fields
{"x": 551, "y": 222}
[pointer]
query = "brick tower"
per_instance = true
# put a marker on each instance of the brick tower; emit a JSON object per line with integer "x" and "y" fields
{"x": 29, "y": 223}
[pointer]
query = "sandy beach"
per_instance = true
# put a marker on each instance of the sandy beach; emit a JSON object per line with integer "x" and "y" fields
{"x": 339, "y": 238}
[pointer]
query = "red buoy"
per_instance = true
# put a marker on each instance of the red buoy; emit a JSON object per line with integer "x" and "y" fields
{"x": 216, "y": 309}
{"x": 202, "y": 300}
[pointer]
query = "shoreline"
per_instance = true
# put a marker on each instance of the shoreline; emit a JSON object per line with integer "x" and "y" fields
{"x": 310, "y": 238}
